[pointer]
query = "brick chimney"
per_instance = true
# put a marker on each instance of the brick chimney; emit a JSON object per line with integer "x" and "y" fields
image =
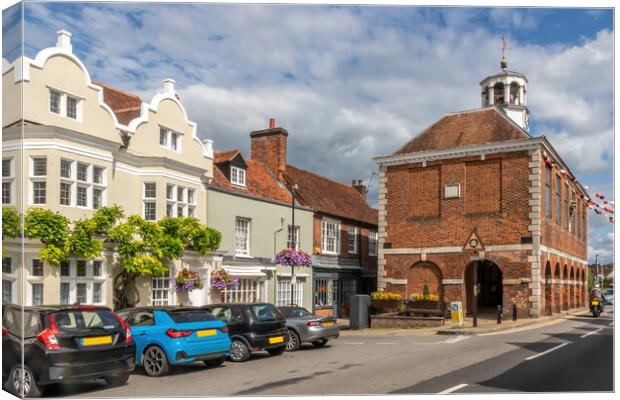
{"x": 269, "y": 147}
{"x": 360, "y": 187}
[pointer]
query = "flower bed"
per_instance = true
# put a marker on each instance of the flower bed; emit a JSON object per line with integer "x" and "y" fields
{"x": 385, "y": 306}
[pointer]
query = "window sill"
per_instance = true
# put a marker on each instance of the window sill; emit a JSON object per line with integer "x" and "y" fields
{"x": 243, "y": 256}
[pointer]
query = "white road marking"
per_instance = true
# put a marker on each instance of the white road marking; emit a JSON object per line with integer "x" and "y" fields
{"x": 353, "y": 343}
{"x": 453, "y": 340}
{"x": 453, "y": 389}
{"x": 592, "y": 333}
{"x": 387, "y": 343}
{"x": 612, "y": 323}
{"x": 546, "y": 352}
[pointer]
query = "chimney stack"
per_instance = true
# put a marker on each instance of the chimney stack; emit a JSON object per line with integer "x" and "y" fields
{"x": 360, "y": 187}
{"x": 269, "y": 147}
{"x": 63, "y": 40}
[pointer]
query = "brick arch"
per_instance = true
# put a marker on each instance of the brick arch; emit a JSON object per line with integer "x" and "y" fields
{"x": 548, "y": 290}
{"x": 490, "y": 279}
{"x": 557, "y": 288}
{"x": 584, "y": 286}
{"x": 424, "y": 271}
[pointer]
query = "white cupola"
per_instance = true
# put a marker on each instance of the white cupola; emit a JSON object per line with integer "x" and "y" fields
{"x": 507, "y": 90}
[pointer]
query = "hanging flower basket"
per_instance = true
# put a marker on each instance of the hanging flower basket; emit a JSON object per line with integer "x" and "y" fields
{"x": 222, "y": 280}
{"x": 293, "y": 258}
{"x": 188, "y": 280}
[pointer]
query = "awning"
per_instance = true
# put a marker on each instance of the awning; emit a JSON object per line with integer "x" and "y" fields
{"x": 245, "y": 271}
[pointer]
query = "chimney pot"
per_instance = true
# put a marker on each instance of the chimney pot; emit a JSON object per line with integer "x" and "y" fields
{"x": 63, "y": 40}
{"x": 272, "y": 123}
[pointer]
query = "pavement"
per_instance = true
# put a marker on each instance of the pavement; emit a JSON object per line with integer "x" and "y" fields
{"x": 573, "y": 354}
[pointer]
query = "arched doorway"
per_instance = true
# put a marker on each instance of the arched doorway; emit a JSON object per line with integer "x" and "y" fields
{"x": 557, "y": 288}
{"x": 491, "y": 288}
{"x": 565, "y": 288}
{"x": 548, "y": 290}
{"x": 421, "y": 273}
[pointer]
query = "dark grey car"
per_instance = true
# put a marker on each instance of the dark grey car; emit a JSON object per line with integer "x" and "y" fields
{"x": 305, "y": 327}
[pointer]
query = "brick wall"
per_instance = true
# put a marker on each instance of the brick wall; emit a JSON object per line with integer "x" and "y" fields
{"x": 269, "y": 147}
{"x": 456, "y": 217}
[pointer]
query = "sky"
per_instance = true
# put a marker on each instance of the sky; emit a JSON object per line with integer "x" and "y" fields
{"x": 349, "y": 83}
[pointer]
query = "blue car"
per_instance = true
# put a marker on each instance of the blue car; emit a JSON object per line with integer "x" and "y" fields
{"x": 170, "y": 335}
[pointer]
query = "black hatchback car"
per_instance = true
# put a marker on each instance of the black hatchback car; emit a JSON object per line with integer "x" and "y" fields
{"x": 252, "y": 327}
{"x": 63, "y": 344}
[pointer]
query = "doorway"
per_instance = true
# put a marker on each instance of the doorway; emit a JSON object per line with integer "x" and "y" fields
{"x": 491, "y": 290}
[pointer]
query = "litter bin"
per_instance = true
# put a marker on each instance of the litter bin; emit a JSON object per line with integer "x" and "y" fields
{"x": 359, "y": 311}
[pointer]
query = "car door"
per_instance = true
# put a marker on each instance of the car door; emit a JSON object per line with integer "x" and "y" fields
{"x": 143, "y": 329}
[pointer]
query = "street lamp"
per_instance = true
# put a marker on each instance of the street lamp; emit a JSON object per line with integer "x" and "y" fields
{"x": 294, "y": 188}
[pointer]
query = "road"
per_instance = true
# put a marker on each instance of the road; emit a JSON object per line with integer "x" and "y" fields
{"x": 573, "y": 355}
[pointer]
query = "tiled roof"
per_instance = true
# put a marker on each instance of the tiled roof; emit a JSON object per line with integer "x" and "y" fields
{"x": 260, "y": 182}
{"x": 330, "y": 197}
{"x": 225, "y": 156}
{"x": 125, "y": 105}
{"x": 480, "y": 126}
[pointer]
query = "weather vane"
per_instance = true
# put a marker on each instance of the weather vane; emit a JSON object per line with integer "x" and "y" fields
{"x": 504, "y": 62}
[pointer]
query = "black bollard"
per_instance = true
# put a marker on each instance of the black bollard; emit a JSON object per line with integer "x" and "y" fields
{"x": 514, "y": 312}
{"x": 499, "y": 314}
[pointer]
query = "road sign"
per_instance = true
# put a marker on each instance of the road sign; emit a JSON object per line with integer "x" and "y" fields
{"x": 456, "y": 312}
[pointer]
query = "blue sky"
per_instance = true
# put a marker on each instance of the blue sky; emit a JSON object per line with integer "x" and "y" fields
{"x": 349, "y": 83}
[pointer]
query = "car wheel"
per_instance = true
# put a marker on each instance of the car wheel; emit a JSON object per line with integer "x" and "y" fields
{"x": 277, "y": 351}
{"x": 320, "y": 343}
{"x": 216, "y": 362}
{"x": 239, "y": 351}
{"x": 155, "y": 361}
{"x": 26, "y": 386}
{"x": 293, "y": 341}
{"x": 117, "y": 380}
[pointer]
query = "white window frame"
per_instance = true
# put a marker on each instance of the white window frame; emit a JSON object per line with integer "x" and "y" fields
{"x": 297, "y": 237}
{"x": 352, "y": 239}
{"x": 237, "y": 176}
{"x": 327, "y": 225}
{"x": 37, "y": 178}
{"x": 10, "y": 277}
{"x": 373, "y": 243}
{"x": 31, "y": 280}
{"x": 174, "y": 202}
{"x": 89, "y": 280}
{"x": 169, "y": 133}
{"x": 63, "y": 100}
{"x": 149, "y": 200}
{"x": 89, "y": 183}
{"x": 166, "y": 287}
{"x": 283, "y": 292}
{"x": 248, "y": 228}
{"x": 249, "y": 290}
{"x": 10, "y": 180}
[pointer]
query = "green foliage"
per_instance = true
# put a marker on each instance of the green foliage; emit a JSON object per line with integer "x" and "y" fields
{"x": 106, "y": 217}
{"x": 145, "y": 247}
{"x": 46, "y": 226}
{"x": 590, "y": 280}
{"x": 10, "y": 223}
{"x": 425, "y": 290}
{"x": 81, "y": 241}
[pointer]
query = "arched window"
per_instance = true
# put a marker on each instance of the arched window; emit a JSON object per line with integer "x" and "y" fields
{"x": 514, "y": 93}
{"x": 498, "y": 94}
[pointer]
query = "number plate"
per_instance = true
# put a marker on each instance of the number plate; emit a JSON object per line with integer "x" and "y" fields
{"x": 94, "y": 341}
{"x": 328, "y": 324}
{"x": 277, "y": 339}
{"x": 594, "y": 303}
{"x": 207, "y": 332}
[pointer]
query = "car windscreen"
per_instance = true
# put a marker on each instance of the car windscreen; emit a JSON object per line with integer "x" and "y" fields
{"x": 264, "y": 312}
{"x": 180, "y": 316}
{"x": 70, "y": 320}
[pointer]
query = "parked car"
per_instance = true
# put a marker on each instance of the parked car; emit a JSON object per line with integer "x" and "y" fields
{"x": 170, "y": 335}
{"x": 252, "y": 327}
{"x": 305, "y": 327}
{"x": 63, "y": 344}
{"x": 608, "y": 296}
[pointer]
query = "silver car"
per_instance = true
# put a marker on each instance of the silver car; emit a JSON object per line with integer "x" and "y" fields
{"x": 305, "y": 327}
{"x": 608, "y": 296}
